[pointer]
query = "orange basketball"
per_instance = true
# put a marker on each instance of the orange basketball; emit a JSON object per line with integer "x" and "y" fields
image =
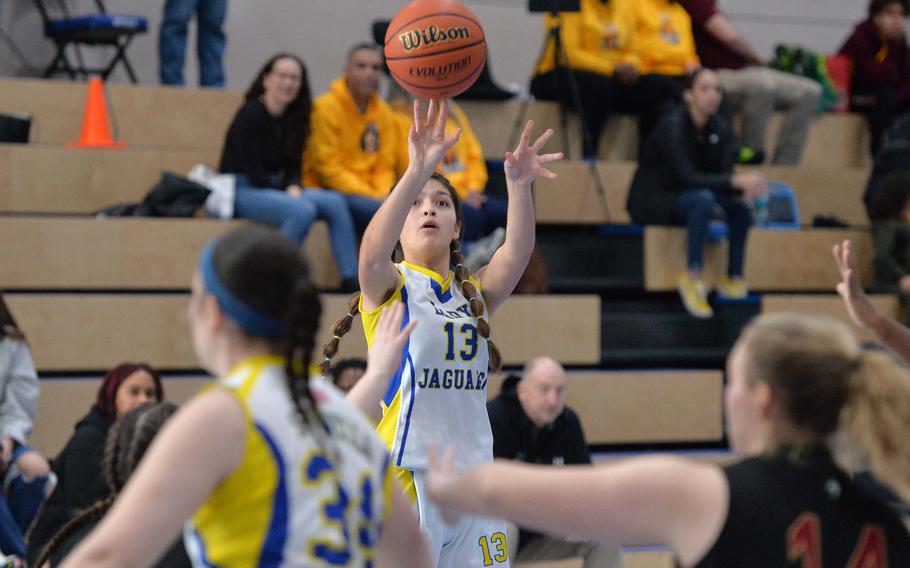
{"x": 435, "y": 49}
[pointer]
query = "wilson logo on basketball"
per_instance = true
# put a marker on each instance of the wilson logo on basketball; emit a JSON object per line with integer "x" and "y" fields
{"x": 432, "y": 35}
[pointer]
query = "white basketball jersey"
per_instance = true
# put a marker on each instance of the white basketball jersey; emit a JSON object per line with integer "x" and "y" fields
{"x": 439, "y": 394}
{"x": 292, "y": 502}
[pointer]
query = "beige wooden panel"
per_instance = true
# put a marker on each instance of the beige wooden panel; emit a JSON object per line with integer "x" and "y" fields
{"x": 71, "y": 332}
{"x": 645, "y": 406}
{"x": 631, "y": 558}
{"x": 141, "y": 116}
{"x": 564, "y": 327}
{"x": 56, "y": 107}
{"x": 48, "y": 179}
{"x": 64, "y": 402}
{"x": 122, "y": 253}
{"x": 775, "y": 260}
{"x": 825, "y": 190}
{"x": 835, "y": 140}
{"x": 572, "y": 197}
{"x": 173, "y": 117}
{"x": 828, "y": 305}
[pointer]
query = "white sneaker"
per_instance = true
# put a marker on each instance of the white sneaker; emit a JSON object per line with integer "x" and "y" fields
{"x": 482, "y": 251}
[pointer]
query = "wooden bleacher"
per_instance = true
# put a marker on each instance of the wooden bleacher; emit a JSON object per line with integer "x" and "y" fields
{"x": 615, "y": 407}
{"x": 829, "y": 305}
{"x": 138, "y": 253}
{"x": 141, "y": 116}
{"x": 84, "y": 332}
{"x": 49, "y": 179}
{"x": 572, "y": 199}
{"x": 655, "y": 406}
{"x": 835, "y": 140}
{"x": 775, "y": 260}
{"x": 632, "y": 559}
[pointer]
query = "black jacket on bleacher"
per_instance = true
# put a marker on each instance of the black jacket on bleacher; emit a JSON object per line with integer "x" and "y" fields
{"x": 678, "y": 158}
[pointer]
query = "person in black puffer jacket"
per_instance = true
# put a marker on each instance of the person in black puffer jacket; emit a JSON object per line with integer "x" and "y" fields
{"x": 685, "y": 174}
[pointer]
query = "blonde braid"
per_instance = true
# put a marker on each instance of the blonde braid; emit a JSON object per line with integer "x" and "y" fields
{"x": 341, "y": 327}
{"x": 475, "y": 301}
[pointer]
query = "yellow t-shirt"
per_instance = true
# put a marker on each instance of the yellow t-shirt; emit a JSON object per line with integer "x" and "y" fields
{"x": 597, "y": 39}
{"x": 665, "y": 42}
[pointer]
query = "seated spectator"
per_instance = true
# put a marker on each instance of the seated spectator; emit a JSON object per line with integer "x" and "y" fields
{"x": 353, "y": 146}
{"x": 891, "y": 237}
{"x": 685, "y": 173}
{"x": 664, "y": 40}
{"x": 752, "y": 88}
{"x": 465, "y": 167}
{"x": 80, "y": 479}
{"x": 881, "y": 66}
{"x": 24, "y": 471}
{"x": 264, "y": 147}
{"x": 531, "y": 423}
{"x": 124, "y": 446}
{"x": 347, "y": 372}
{"x": 599, "y": 46}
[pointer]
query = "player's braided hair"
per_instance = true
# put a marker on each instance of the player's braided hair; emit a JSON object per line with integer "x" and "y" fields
{"x": 462, "y": 278}
{"x": 126, "y": 443}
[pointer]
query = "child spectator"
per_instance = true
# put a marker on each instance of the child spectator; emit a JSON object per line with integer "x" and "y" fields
{"x": 891, "y": 235}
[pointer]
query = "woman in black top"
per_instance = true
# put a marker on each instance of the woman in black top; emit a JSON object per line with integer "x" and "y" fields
{"x": 685, "y": 173}
{"x": 264, "y": 150}
{"x": 794, "y": 382}
{"x": 80, "y": 480}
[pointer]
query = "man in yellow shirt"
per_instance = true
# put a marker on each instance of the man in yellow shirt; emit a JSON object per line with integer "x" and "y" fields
{"x": 600, "y": 46}
{"x": 353, "y": 141}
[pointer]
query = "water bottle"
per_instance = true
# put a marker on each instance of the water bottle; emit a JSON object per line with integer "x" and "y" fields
{"x": 760, "y": 211}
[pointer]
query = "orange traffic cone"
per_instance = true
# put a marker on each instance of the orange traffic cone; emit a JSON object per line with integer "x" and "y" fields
{"x": 96, "y": 130}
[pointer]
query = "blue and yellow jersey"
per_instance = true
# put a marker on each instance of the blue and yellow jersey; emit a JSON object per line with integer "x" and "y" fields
{"x": 439, "y": 394}
{"x": 295, "y": 499}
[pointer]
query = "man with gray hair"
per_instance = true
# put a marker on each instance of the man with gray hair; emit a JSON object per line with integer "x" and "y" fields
{"x": 531, "y": 423}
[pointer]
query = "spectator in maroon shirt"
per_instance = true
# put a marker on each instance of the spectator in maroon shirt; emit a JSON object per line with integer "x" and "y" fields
{"x": 881, "y": 66}
{"x": 751, "y": 88}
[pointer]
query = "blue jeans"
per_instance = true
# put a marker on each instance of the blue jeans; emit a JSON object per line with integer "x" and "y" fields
{"x": 294, "y": 216}
{"x": 362, "y": 210}
{"x": 694, "y": 209}
{"x": 210, "y": 16}
{"x": 483, "y": 220}
{"x": 19, "y": 504}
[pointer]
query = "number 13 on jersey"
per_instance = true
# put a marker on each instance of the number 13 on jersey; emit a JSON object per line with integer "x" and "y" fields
{"x": 469, "y": 334}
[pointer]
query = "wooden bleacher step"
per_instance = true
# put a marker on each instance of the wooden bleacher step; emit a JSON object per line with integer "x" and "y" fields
{"x": 91, "y": 332}
{"x": 775, "y": 260}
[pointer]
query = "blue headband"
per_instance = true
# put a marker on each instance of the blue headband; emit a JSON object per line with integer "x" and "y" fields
{"x": 249, "y": 319}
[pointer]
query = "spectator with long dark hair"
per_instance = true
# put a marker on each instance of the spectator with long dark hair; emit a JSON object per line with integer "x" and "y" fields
{"x": 264, "y": 150}
{"x": 24, "y": 471}
{"x": 685, "y": 173}
{"x": 881, "y": 66}
{"x": 123, "y": 448}
{"x": 80, "y": 479}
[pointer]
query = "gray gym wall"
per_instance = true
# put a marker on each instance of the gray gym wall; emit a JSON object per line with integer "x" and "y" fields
{"x": 322, "y": 30}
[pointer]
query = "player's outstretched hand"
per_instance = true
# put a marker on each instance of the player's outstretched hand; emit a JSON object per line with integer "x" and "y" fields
{"x": 443, "y": 482}
{"x": 525, "y": 164}
{"x": 427, "y": 140}
{"x": 388, "y": 343}
{"x": 858, "y": 305}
